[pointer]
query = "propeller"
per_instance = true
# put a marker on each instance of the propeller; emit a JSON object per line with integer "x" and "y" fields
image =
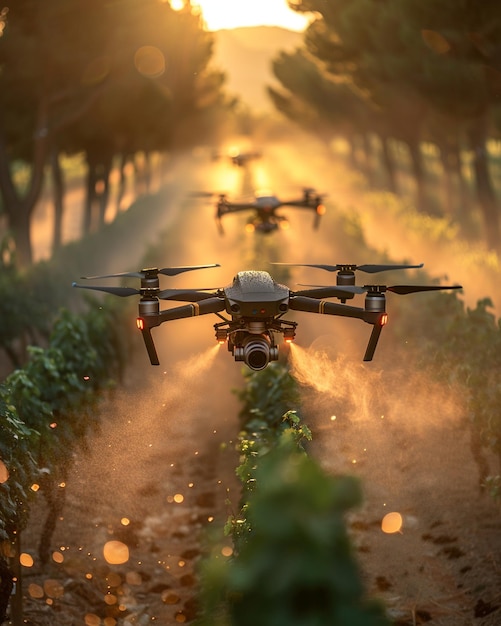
{"x": 152, "y": 272}
{"x": 367, "y": 268}
{"x": 123, "y": 292}
{"x": 184, "y": 295}
{"x": 325, "y": 290}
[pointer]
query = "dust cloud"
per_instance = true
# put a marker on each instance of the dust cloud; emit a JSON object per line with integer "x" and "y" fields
{"x": 166, "y": 418}
{"x": 337, "y": 379}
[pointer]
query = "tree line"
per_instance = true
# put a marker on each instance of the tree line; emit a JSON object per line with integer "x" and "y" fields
{"x": 98, "y": 78}
{"x": 402, "y": 73}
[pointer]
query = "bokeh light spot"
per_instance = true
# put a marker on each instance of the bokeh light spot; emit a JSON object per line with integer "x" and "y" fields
{"x": 149, "y": 61}
{"x": 110, "y": 599}
{"x": 35, "y": 591}
{"x": 115, "y": 552}
{"x": 53, "y": 588}
{"x": 133, "y": 578}
{"x": 57, "y": 557}
{"x": 392, "y": 523}
{"x": 4, "y": 473}
{"x": 170, "y": 598}
{"x": 26, "y": 559}
{"x": 91, "y": 619}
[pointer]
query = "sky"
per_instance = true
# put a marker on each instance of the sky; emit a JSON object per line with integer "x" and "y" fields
{"x": 220, "y": 14}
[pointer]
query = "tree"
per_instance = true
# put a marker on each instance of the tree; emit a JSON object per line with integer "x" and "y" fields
{"x": 100, "y": 77}
{"x": 414, "y": 60}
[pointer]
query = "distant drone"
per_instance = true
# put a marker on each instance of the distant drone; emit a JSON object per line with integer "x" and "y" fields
{"x": 263, "y": 208}
{"x": 240, "y": 159}
{"x": 253, "y": 306}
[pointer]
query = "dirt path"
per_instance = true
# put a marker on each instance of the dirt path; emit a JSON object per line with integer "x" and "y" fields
{"x": 159, "y": 462}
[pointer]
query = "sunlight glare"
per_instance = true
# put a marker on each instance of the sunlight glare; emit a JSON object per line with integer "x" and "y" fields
{"x": 222, "y": 14}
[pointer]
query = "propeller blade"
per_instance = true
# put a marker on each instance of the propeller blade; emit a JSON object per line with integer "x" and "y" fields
{"x": 319, "y": 291}
{"x": 174, "y": 271}
{"x": 372, "y": 269}
{"x": 324, "y": 290}
{"x": 123, "y": 292}
{"x": 185, "y": 295}
{"x": 405, "y": 289}
{"x": 369, "y": 269}
{"x": 166, "y": 271}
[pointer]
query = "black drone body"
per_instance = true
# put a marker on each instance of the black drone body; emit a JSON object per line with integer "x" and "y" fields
{"x": 252, "y": 307}
{"x": 241, "y": 159}
{"x": 264, "y": 217}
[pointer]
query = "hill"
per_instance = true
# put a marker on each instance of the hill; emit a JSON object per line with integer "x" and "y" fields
{"x": 245, "y": 56}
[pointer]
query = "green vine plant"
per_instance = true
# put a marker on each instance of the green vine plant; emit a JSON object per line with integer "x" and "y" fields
{"x": 291, "y": 561}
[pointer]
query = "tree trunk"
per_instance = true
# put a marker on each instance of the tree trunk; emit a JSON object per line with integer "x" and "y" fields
{"x": 483, "y": 182}
{"x": 6, "y": 586}
{"x": 388, "y": 164}
{"x": 90, "y": 194}
{"x": 368, "y": 158}
{"x": 418, "y": 172}
{"x": 58, "y": 196}
{"x": 104, "y": 195}
{"x": 20, "y": 223}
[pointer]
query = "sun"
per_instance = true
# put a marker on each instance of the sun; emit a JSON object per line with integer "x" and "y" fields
{"x": 222, "y": 14}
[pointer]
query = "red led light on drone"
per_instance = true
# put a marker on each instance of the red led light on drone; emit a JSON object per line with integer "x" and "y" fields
{"x": 384, "y": 319}
{"x": 140, "y": 323}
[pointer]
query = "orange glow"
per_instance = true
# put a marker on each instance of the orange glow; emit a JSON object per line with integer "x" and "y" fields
{"x": 26, "y": 559}
{"x": 288, "y": 340}
{"x": 284, "y": 225}
{"x": 140, "y": 323}
{"x": 392, "y": 523}
{"x": 110, "y": 599}
{"x": 35, "y": 591}
{"x": 227, "y": 551}
{"x": 57, "y": 557}
{"x": 91, "y": 619}
{"x": 321, "y": 209}
{"x": 384, "y": 319}
{"x": 4, "y": 473}
{"x": 177, "y": 5}
{"x": 249, "y": 228}
{"x": 115, "y": 552}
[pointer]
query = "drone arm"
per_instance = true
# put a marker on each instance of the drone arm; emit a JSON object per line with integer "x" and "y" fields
{"x": 377, "y": 318}
{"x": 210, "y": 305}
{"x": 237, "y": 207}
{"x": 149, "y": 320}
{"x": 312, "y": 305}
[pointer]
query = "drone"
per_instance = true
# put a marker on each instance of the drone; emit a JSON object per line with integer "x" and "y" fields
{"x": 240, "y": 159}
{"x": 253, "y": 306}
{"x": 264, "y": 218}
